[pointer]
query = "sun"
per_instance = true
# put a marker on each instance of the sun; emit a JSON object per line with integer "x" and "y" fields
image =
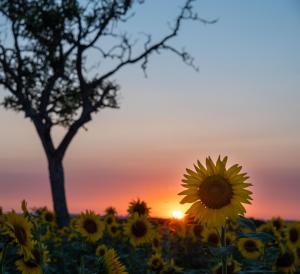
{"x": 177, "y": 214}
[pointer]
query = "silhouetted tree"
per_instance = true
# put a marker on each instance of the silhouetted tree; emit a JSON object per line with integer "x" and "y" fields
{"x": 43, "y": 64}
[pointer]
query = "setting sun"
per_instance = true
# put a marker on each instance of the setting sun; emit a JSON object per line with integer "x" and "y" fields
{"x": 177, "y": 214}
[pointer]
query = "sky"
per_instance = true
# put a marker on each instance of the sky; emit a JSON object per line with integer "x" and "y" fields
{"x": 243, "y": 103}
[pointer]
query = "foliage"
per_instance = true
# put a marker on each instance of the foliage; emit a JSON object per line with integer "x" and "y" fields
{"x": 172, "y": 247}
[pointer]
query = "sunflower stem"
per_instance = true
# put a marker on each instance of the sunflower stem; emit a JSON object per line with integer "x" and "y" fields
{"x": 223, "y": 243}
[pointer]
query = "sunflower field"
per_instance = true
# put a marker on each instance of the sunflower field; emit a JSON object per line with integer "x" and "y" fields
{"x": 214, "y": 237}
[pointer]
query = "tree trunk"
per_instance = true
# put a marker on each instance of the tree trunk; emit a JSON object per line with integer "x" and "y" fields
{"x": 57, "y": 181}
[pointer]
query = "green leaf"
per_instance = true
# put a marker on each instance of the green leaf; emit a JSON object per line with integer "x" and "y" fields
{"x": 245, "y": 222}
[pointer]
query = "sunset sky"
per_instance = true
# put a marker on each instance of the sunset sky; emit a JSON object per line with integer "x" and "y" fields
{"x": 244, "y": 103}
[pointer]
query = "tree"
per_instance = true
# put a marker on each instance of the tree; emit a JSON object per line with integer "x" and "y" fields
{"x": 43, "y": 66}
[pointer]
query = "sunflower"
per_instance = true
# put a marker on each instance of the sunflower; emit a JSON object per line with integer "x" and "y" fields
{"x": 19, "y": 229}
{"x": 267, "y": 228}
{"x": 109, "y": 219}
{"x": 113, "y": 230}
{"x": 34, "y": 265}
{"x": 197, "y": 231}
{"x": 110, "y": 211}
{"x": 230, "y": 238}
{"x": 138, "y": 206}
{"x": 277, "y": 223}
{"x": 293, "y": 234}
{"x": 27, "y": 267}
{"x": 287, "y": 260}
{"x": 156, "y": 243}
{"x": 211, "y": 237}
{"x": 112, "y": 263}
{"x": 250, "y": 248}
{"x": 138, "y": 229}
{"x": 47, "y": 217}
{"x": 156, "y": 263}
{"x": 217, "y": 193}
{"x": 171, "y": 268}
{"x": 101, "y": 250}
{"x": 90, "y": 226}
{"x": 233, "y": 266}
{"x": 232, "y": 226}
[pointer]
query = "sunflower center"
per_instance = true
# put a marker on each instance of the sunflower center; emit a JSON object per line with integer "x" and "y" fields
{"x": 37, "y": 256}
{"x": 213, "y": 238}
{"x": 139, "y": 229}
{"x": 113, "y": 229}
{"x": 20, "y": 234}
{"x": 90, "y": 226}
{"x": 294, "y": 235}
{"x": 156, "y": 243}
{"x": 49, "y": 217}
{"x": 215, "y": 192}
{"x": 285, "y": 260}
{"x": 156, "y": 264}
{"x": 250, "y": 246}
{"x": 198, "y": 229}
{"x": 109, "y": 220}
{"x": 101, "y": 252}
{"x": 31, "y": 264}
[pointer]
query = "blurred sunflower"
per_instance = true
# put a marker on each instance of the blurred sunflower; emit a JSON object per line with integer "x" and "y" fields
{"x": 27, "y": 267}
{"x": 90, "y": 226}
{"x": 110, "y": 211}
{"x": 287, "y": 260}
{"x": 155, "y": 263}
{"x": 277, "y": 223}
{"x": 250, "y": 248}
{"x": 266, "y": 227}
{"x": 232, "y": 226}
{"x": 230, "y": 238}
{"x": 156, "y": 243}
{"x": 19, "y": 229}
{"x": 109, "y": 219}
{"x": 217, "y": 193}
{"x": 293, "y": 234}
{"x": 138, "y": 206}
{"x": 138, "y": 229}
{"x": 112, "y": 263}
{"x": 211, "y": 237}
{"x": 113, "y": 230}
{"x": 197, "y": 231}
{"x": 233, "y": 266}
{"x": 101, "y": 250}
{"x": 47, "y": 216}
{"x": 171, "y": 268}
{"x": 36, "y": 262}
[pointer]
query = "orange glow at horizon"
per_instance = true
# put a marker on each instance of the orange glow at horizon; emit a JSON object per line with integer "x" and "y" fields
{"x": 177, "y": 214}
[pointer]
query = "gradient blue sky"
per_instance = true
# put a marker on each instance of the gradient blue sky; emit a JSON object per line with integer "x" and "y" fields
{"x": 244, "y": 103}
